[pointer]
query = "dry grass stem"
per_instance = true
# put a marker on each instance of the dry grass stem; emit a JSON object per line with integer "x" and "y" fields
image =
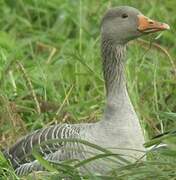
{"x": 30, "y": 86}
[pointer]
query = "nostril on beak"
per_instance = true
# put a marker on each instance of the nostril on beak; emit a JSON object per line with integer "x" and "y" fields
{"x": 151, "y": 22}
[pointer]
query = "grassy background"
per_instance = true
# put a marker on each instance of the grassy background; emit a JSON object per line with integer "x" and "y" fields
{"x": 50, "y": 67}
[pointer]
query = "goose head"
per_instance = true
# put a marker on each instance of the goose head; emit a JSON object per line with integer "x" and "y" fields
{"x": 122, "y": 24}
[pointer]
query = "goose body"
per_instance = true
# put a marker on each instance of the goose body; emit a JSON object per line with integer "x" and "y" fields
{"x": 119, "y": 126}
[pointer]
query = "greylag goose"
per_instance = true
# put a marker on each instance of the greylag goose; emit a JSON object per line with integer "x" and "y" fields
{"x": 119, "y": 126}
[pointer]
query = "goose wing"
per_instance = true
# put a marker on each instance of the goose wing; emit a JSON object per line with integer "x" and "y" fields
{"x": 20, "y": 154}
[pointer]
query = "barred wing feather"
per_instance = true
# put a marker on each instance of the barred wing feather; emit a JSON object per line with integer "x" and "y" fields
{"x": 20, "y": 154}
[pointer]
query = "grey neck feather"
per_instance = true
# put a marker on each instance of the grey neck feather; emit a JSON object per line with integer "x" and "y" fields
{"x": 113, "y": 67}
{"x": 118, "y": 102}
{"x": 119, "y": 125}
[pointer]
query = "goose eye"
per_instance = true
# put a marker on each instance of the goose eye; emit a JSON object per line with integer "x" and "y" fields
{"x": 124, "y": 16}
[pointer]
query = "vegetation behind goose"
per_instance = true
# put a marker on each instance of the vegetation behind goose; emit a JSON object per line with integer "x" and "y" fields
{"x": 119, "y": 126}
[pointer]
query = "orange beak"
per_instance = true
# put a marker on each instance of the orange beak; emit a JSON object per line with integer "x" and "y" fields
{"x": 146, "y": 25}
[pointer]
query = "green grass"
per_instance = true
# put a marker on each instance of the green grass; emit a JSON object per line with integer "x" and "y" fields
{"x": 50, "y": 70}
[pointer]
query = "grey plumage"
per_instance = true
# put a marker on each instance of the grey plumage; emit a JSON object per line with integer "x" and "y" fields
{"x": 119, "y": 126}
{"x": 20, "y": 154}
